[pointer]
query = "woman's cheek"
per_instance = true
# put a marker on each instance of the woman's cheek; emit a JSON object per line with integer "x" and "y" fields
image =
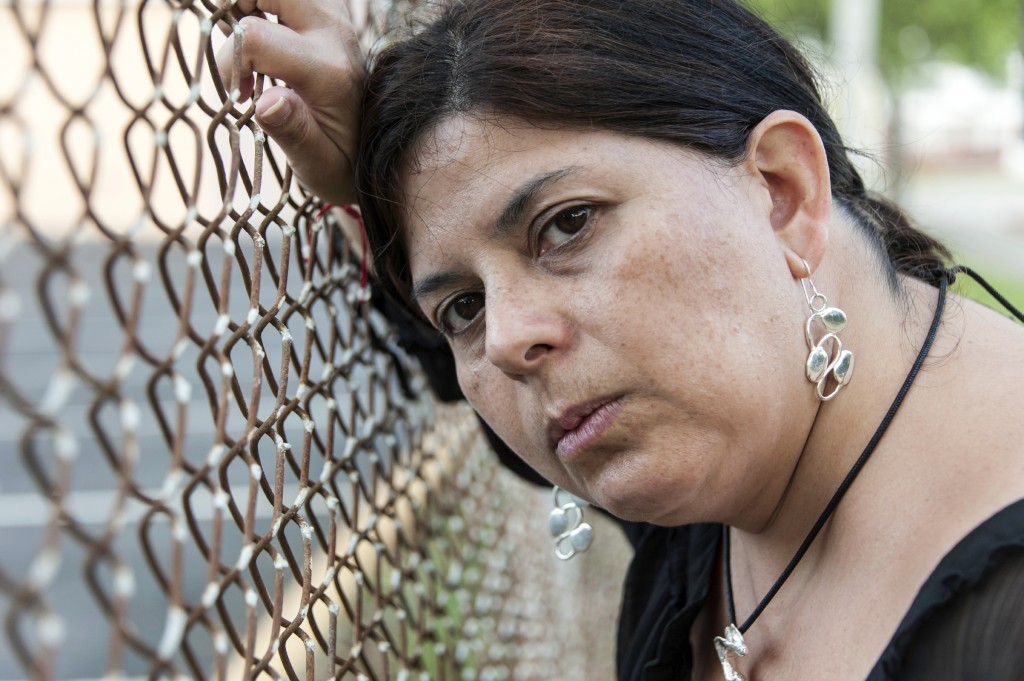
{"x": 485, "y": 398}
{"x": 471, "y": 381}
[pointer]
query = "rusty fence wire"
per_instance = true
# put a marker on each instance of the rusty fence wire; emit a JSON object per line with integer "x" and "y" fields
{"x": 214, "y": 460}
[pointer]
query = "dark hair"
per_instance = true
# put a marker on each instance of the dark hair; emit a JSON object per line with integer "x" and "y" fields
{"x": 698, "y": 73}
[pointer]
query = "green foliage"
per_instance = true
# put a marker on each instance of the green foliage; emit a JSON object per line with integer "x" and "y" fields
{"x": 976, "y": 32}
{"x": 796, "y": 18}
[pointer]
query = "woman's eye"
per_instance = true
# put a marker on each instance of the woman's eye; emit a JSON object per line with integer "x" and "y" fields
{"x": 564, "y": 227}
{"x": 461, "y": 312}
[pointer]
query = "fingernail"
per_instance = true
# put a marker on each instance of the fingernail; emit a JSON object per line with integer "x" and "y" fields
{"x": 277, "y": 113}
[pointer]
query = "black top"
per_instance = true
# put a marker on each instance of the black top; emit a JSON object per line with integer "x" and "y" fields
{"x": 967, "y": 622}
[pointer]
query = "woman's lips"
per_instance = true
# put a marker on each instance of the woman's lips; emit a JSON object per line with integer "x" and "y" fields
{"x": 587, "y": 429}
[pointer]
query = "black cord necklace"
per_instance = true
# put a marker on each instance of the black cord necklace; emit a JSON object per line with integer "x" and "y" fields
{"x": 732, "y": 641}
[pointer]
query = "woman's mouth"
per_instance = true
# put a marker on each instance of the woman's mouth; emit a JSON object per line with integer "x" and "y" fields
{"x": 581, "y": 426}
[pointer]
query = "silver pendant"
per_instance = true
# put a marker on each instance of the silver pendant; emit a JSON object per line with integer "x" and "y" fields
{"x": 731, "y": 644}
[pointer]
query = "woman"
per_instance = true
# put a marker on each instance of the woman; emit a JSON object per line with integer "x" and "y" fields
{"x": 644, "y": 241}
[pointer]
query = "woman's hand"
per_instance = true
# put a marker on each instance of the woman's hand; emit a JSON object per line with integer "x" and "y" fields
{"x": 315, "y": 119}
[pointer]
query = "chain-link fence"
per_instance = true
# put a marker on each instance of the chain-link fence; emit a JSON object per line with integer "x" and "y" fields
{"x": 214, "y": 460}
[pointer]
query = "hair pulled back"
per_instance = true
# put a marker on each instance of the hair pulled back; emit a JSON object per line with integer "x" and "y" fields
{"x": 698, "y": 73}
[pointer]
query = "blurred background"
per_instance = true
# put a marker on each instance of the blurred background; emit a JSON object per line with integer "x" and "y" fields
{"x": 932, "y": 92}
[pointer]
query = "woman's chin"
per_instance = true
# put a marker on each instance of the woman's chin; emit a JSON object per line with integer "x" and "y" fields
{"x": 659, "y": 502}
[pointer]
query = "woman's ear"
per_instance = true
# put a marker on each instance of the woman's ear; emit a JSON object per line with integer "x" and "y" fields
{"x": 785, "y": 154}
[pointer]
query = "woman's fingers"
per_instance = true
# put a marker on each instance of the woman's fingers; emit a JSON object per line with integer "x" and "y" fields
{"x": 245, "y": 6}
{"x": 225, "y": 26}
{"x": 306, "y": 61}
{"x": 300, "y": 15}
{"x": 233, "y": 72}
{"x": 321, "y": 164}
{"x": 315, "y": 51}
{"x": 263, "y": 46}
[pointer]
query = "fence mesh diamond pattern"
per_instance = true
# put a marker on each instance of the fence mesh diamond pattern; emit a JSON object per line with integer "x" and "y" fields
{"x": 214, "y": 460}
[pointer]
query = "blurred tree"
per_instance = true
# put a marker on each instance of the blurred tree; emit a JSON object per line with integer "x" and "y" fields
{"x": 977, "y": 32}
{"x": 796, "y": 18}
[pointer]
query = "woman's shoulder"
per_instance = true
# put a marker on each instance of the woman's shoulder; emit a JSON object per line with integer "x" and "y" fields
{"x": 969, "y": 610}
{"x": 960, "y": 437}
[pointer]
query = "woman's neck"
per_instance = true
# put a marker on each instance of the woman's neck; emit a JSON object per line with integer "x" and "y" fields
{"x": 885, "y": 331}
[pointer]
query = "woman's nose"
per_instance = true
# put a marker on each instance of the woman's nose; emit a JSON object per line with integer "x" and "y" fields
{"x": 523, "y": 331}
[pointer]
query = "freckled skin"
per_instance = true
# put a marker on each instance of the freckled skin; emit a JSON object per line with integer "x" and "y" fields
{"x": 675, "y": 295}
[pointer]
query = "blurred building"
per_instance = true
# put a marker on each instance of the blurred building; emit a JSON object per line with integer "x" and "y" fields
{"x": 957, "y": 118}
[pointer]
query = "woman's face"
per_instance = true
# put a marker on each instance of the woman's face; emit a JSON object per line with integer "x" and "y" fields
{"x": 620, "y": 311}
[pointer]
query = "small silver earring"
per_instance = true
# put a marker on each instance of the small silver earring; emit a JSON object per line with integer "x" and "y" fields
{"x": 827, "y": 355}
{"x": 565, "y": 523}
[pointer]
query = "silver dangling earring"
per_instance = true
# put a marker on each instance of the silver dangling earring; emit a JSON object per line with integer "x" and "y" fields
{"x": 834, "y": 361}
{"x": 566, "y": 525}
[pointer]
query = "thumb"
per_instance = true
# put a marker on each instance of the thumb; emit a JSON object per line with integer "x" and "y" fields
{"x": 317, "y": 161}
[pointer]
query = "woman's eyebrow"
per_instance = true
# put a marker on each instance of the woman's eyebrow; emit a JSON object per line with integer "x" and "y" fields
{"x": 434, "y": 282}
{"x": 519, "y": 201}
